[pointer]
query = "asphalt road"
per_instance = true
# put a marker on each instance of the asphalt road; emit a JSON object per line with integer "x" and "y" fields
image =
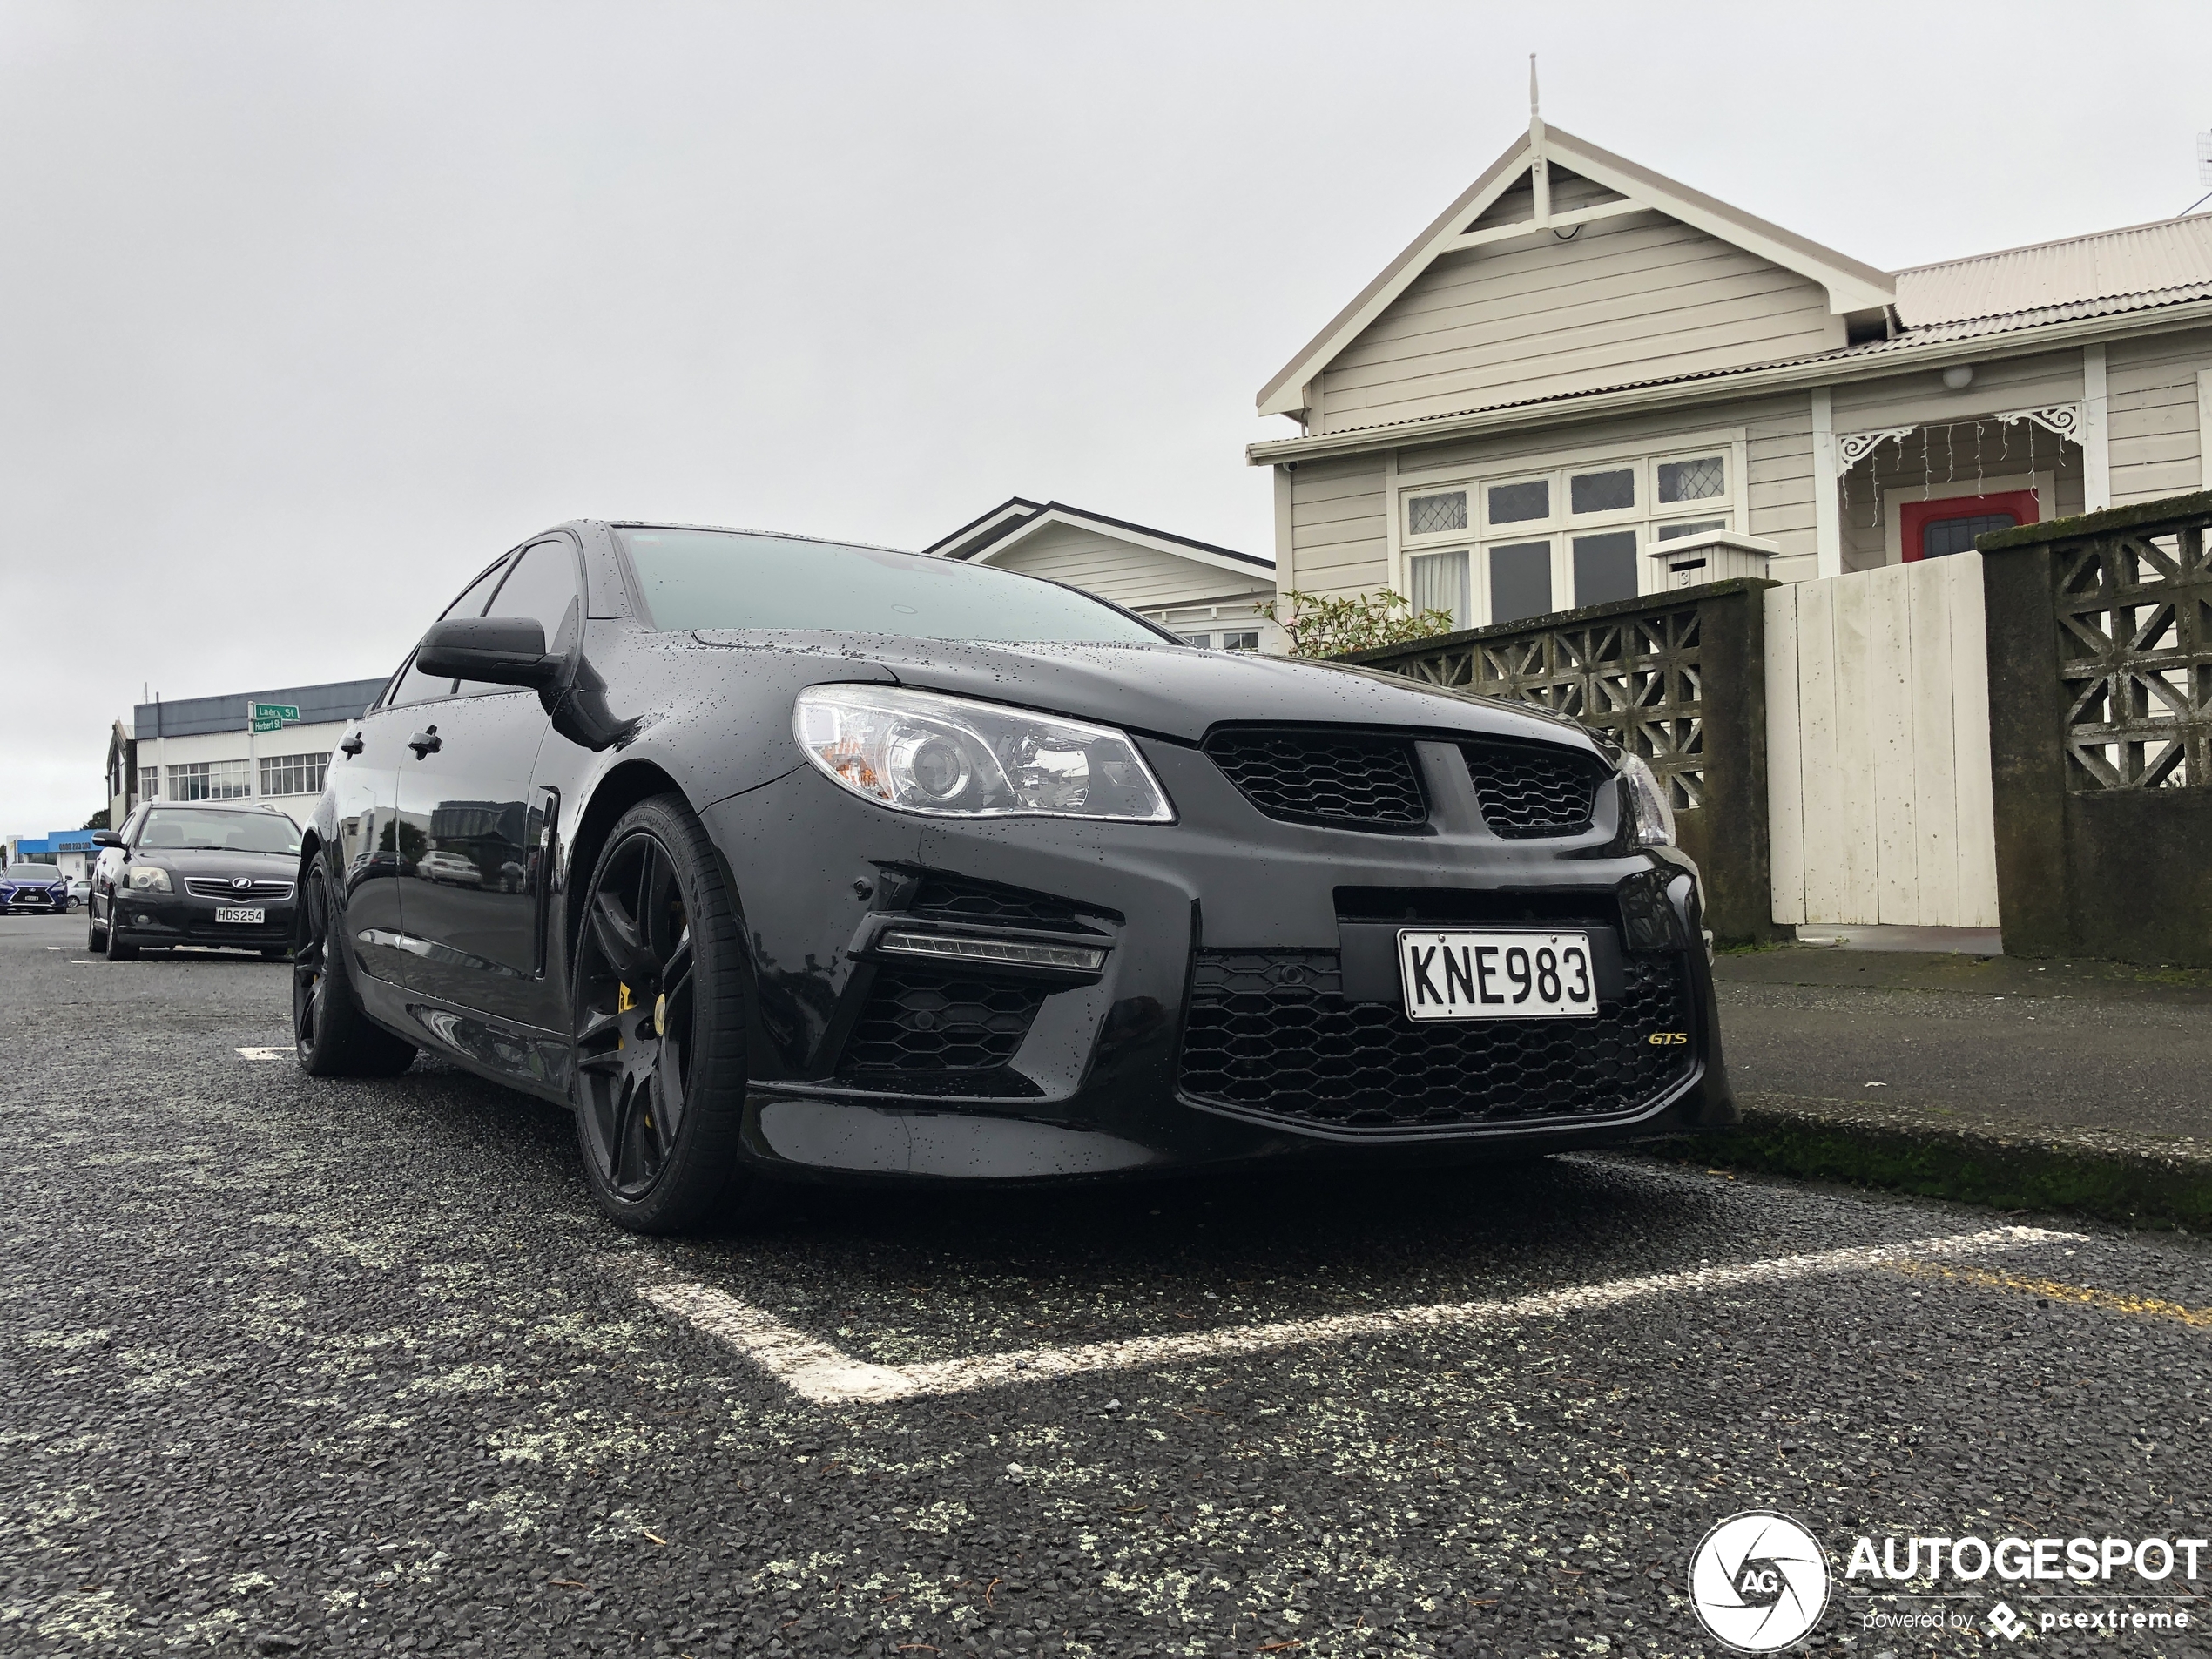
{"x": 335, "y": 1368}
{"x": 2060, "y": 1044}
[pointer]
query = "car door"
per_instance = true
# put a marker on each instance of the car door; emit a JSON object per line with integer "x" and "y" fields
{"x": 472, "y": 903}
{"x": 377, "y": 850}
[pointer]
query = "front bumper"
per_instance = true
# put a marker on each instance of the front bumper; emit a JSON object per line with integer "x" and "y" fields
{"x": 158, "y": 919}
{"x": 1240, "y": 1016}
{"x": 34, "y": 902}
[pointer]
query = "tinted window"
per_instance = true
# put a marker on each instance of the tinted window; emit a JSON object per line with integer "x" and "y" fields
{"x": 1605, "y": 568}
{"x": 415, "y": 687}
{"x": 542, "y": 585}
{"x": 30, "y": 872}
{"x": 182, "y": 829}
{"x": 729, "y": 579}
{"x": 1521, "y": 580}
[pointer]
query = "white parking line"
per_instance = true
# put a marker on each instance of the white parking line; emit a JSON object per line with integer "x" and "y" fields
{"x": 817, "y": 1372}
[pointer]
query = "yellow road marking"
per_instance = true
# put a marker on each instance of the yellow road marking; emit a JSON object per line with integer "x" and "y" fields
{"x": 2149, "y": 1307}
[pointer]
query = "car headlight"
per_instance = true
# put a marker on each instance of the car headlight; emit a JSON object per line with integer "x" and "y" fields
{"x": 1653, "y": 814}
{"x": 922, "y": 752}
{"x": 149, "y": 878}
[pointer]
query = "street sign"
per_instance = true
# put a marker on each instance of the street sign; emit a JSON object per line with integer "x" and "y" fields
{"x": 267, "y": 723}
{"x": 272, "y": 712}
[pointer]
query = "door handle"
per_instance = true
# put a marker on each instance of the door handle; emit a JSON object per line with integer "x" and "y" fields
{"x": 352, "y": 745}
{"x": 425, "y": 742}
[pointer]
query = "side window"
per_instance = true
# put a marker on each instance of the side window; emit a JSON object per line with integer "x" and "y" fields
{"x": 542, "y": 585}
{"x": 417, "y": 687}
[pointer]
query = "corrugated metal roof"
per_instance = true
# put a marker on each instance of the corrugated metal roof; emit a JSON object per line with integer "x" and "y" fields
{"x": 2142, "y": 260}
{"x": 194, "y": 716}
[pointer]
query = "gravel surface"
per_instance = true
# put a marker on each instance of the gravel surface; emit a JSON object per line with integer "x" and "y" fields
{"x": 350, "y": 1368}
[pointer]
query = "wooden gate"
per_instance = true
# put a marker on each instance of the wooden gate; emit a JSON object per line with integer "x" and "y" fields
{"x": 1877, "y": 748}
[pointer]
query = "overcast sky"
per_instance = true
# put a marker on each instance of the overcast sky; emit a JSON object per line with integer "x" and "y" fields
{"x": 309, "y": 310}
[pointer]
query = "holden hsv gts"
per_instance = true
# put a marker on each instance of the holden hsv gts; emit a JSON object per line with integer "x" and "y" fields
{"x": 775, "y": 858}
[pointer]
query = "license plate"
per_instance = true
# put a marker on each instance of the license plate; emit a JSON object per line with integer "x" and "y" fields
{"x": 1495, "y": 976}
{"x": 251, "y": 914}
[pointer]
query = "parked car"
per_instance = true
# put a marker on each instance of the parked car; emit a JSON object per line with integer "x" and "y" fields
{"x": 198, "y": 873}
{"x": 867, "y": 864}
{"x": 38, "y": 889}
{"x": 454, "y": 868}
{"x": 80, "y": 891}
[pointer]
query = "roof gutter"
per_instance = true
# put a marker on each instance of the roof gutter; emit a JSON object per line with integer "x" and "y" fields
{"x": 1806, "y": 372}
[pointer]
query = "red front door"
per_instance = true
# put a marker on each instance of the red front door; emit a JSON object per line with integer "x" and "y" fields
{"x": 1930, "y": 529}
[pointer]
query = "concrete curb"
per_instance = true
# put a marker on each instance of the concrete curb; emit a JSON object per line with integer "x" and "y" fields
{"x": 2139, "y": 1181}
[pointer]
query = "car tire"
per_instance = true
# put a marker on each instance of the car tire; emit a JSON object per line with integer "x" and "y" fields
{"x": 120, "y": 949}
{"x": 658, "y": 1008}
{"x": 331, "y": 1036}
{"x": 95, "y": 935}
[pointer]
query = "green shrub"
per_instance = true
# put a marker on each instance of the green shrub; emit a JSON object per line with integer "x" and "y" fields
{"x": 1323, "y": 627}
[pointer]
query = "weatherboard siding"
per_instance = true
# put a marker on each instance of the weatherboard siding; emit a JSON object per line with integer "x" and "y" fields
{"x": 1638, "y": 297}
{"x": 1338, "y": 526}
{"x": 2153, "y": 416}
{"x": 1139, "y": 577}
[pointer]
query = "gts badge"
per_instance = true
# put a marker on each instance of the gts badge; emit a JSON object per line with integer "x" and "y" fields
{"x": 1667, "y": 1039}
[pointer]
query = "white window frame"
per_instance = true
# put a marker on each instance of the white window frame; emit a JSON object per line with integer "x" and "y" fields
{"x": 1404, "y": 482}
{"x": 312, "y": 764}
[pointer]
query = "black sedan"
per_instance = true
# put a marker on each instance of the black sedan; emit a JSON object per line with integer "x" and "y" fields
{"x": 38, "y": 889}
{"x": 840, "y": 862}
{"x": 198, "y": 873}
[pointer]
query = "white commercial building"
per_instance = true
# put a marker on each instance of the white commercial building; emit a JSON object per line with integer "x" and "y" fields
{"x": 202, "y": 749}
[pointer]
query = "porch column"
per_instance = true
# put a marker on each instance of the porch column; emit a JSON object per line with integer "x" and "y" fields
{"x": 2096, "y": 449}
{"x": 1827, "y": 512}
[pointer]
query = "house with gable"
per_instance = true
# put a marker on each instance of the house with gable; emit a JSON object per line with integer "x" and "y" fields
{"x": 1209, "y": 594}
{"x": 1585, "y": 381}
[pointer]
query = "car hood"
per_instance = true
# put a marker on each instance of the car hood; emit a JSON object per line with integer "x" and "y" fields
{"x": 1170, "y": 691}
{"x": 263, "y": 867}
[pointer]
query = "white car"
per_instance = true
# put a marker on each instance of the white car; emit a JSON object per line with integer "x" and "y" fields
{"x": 451, "y": 867}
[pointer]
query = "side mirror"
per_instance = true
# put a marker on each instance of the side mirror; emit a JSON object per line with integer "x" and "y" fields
{"x": 503, "y": 651}
{"x": 106, "y": 838}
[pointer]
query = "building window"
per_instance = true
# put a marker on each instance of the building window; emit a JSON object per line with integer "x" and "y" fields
{"x": 1440, "y": 582}
{"x": 1705, "y": 478}
{"x": 1519, "y": 503}
{"x": 1521, "y": 580}
{"x": 293, "y": 774}
{"x": 211, "y": 780}
{"x": 149, "y": 783}
{"x": 1230, "y": 639}
{"x": 1612, "y": 491}
{"x": 1605, "y": 568}
{"x": 1437, "y": 515}
{"x": 1573, "y": 534}
{"x": 1947, "y": 536}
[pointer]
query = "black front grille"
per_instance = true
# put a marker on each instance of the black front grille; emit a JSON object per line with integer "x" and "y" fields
{"x": 923, "y": 1018}
{"x": 1524, "y": 791}
{"x": 1351, "y": 780}
{"x": 953, "y": 898}
{"x": 1269, "y": 1032}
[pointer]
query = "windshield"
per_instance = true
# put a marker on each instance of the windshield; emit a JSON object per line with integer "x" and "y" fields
{"x": 30, "y": 872}
{"x": 180, "y": 829}
{"x": 729, "y": 579}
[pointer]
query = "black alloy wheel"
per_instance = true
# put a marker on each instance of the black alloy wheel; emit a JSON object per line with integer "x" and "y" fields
{"x": 659, "y": 1087}
{"x": 330, "y": 1034}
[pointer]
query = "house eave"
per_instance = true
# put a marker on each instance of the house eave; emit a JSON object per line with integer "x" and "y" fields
{"x": 1828, "y": 370}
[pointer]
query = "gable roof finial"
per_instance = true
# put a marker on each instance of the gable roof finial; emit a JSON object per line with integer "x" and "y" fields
{"x": 1534, "y": 116}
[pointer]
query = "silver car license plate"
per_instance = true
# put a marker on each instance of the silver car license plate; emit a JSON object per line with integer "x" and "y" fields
{"x": 251, "y": 914}
{"x": 1520, "y": 975}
